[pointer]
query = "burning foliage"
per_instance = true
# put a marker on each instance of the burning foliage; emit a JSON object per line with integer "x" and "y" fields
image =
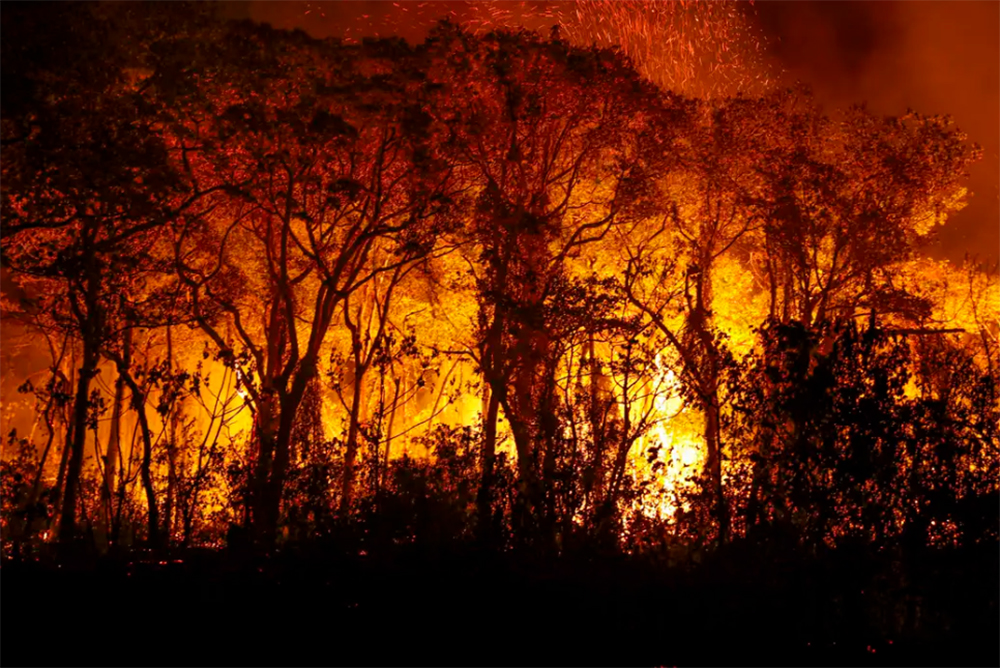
{"x": 494, "y": 288}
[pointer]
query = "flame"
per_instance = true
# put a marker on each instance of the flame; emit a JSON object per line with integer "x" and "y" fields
{"x": 680, "y": 455}
{"x": 239, "y": 385}
{"x": 667, "y": 41}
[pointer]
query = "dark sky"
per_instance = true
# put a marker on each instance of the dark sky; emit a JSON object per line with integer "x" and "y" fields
{"x": 934, "y": 56}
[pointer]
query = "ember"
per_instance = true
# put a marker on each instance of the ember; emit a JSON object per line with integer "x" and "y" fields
{"x": 544, "y": 278}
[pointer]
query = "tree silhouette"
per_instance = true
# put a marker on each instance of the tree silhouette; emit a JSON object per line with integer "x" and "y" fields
{"x": 87, "y": 189}
{"x": 328, "y": 165}
{"x": 491, "y": 294}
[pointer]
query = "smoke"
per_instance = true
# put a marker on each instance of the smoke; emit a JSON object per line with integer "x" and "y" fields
{"x": 935, "y": 57}
{"x": 932, "y": 57}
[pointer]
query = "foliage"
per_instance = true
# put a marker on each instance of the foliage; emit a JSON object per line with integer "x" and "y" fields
{"x": 859, "y": 434}
{"x": 491, "y": 289}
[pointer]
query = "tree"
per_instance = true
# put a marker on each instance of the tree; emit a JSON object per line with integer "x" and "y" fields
{"x": 865, "y": 440}
{"x": 706, "y": 214}
{"x": 847, "y": 201}
{"x": 87, "y": 188}
{"x": 327, "y": 160}
{"x": 550, "y": 138}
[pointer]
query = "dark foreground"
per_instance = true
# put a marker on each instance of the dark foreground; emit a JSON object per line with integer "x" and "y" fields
{"x": 464, "y": 607}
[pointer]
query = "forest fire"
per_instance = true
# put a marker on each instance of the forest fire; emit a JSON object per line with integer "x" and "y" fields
{"x": 547, "y": 281}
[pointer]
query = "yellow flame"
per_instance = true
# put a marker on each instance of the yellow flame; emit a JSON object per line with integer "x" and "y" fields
{"x": 680, "y": 453}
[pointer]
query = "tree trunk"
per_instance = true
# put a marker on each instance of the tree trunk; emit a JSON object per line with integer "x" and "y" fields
{"x": 351, "y": 453}
{"x": 75, "y": 439}
{"x": 526, "y": 466}
{"x": 36, "y": 485}
{"x": 275, "y": 436}
{"x": 714, "y": 461}
{"x": 124, "y": 364}
{"x": 268, "y": 519}
{"x": 63, "y": 465}
{"x": 597, "y": 415}
{"x": 111, "y": 454}
{"x": 709, "y": 390}
{"x": 484, "y": 499}
{"x": 171, "y": 418}
{"x": 397, "y": 382}
{"x": 146, "y": 466}
{"x": 258, "y": 506}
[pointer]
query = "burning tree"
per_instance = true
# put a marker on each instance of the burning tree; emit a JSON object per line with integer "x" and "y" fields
{"x": 551, "y": 140}
{"x": 88, "y": 193}
{"x": 332, "y": 178}
{"x": 652, "y": 286}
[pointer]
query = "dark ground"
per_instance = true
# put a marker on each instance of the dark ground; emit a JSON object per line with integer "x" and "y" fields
{"x": 466, "y": 608}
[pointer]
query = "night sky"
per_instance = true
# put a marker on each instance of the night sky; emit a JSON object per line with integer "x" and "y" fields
{"x": 936, "y": 57}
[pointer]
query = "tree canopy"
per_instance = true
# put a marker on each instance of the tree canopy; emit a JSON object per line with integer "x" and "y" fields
{"x": 487, "y": 287}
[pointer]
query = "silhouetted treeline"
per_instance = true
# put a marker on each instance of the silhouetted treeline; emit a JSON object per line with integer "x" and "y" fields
{"x": 487, "y": 333}
{"x": 486, "y": 289}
